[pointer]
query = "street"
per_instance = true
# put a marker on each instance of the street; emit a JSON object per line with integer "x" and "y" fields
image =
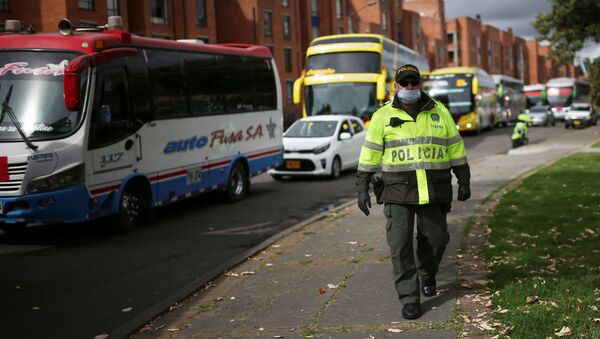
{"x": 74, "y": 281}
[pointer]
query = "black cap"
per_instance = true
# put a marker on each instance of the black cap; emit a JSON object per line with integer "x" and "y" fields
{"x": 407, "y": 70}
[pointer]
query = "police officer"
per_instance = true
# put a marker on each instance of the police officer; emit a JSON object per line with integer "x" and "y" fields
{"x": 415, "y": 142}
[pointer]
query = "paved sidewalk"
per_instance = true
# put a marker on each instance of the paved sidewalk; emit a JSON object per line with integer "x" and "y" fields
{"x": 332, "y": 278}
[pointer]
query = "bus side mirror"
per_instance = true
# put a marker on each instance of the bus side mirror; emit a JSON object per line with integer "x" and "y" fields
{"x": 475, "y": 86}
{"x": 72, "y": 73}
{"x": 72, "y": 77}
{"x": 297, "y": 92}
{"x": 381, "y": 85}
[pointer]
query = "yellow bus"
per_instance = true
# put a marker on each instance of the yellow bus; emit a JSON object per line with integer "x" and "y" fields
{"x": 468, "y": 92}
{"x": 351, "y": 74}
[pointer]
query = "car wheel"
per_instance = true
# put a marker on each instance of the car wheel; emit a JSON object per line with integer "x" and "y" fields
{"x": 336, "y": 168}
{"x": 16, "y": 229}
{"x": 238, "y": 183}
{"x": 553, "y": 122}
{"x": 131, "y": 209}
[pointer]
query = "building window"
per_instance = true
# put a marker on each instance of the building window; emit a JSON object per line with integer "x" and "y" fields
{"x": 338, "y": 9}
{"x": 314, "y": 7}
{"x": 287, "y": 57}
{"x": 340, "y": 30}
{"x": 316, "y": 31}
{"x": 384, "y": 20}
{"x": 4, "y": 6}
{"x": 450, "y": 37}
{"x": 112, "y": 7}
{"x": 478, "y": 50}
{"x": 268, "y": 23}
{"x": 289, "y": 91}
{"x": 286, "y": 26}
{"x": 201, "y": 12}
{"x": 88, "y": 24}
{"x": 158, "y": 9}
{"x": 490, "y": 58}
{"x": 161, "y": 36}
{"x": 83, "y": 4}
{"x": 417, "y": 29}
{"x": 285, "y": 3}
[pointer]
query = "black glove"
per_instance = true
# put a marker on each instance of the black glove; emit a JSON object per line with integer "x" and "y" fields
{"x": 364, "y": 202}
{"x": 464, "y": 192}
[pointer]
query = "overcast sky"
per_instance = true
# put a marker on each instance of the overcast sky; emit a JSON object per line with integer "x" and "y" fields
{"x": 518, "y": 14}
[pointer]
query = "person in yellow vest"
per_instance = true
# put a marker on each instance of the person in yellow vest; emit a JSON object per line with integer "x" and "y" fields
{"x": 415, "y": 142}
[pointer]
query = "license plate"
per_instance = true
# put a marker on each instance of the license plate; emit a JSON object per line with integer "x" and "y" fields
{"x": 577, "y": 122}
{"x": 292, "y": 164}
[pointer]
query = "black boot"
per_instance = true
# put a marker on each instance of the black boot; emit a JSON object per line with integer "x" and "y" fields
{"x": 411, "y": 311}
{"x": 428, "y": 288}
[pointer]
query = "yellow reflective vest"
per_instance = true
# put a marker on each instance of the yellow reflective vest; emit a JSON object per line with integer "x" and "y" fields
{"x": 414, "y": 156}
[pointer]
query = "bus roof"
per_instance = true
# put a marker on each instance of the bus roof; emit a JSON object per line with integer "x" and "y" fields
{"x": 89, "y": 42}
{"x": 338, "y": 38}
{"x": 501, "y": 77}
{"x": 453, "y": 70}
{"x": 563, "y": 82}
{"x": 535, "y": 87}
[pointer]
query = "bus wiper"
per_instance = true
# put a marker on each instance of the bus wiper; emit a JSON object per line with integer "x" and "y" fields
{"x": 6, "y": 109}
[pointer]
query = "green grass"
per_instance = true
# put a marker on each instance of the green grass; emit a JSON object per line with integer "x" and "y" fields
{"x": 546, "y": 243}
{"x": 596, "y": 144}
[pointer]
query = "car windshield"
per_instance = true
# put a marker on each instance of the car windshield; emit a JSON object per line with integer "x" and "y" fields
{"x": 346, "y": 62}
{"x": 538, "y": 109}
{"x": 311, "y": 129}
{"x": 37, "y": 101}
{"x": 581, "y": 107}
{"x": 356, "y": 99}
{"x": 451, "y": 89}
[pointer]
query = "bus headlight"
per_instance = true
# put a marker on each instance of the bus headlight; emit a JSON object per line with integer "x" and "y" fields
{"x": 70, "y": 177}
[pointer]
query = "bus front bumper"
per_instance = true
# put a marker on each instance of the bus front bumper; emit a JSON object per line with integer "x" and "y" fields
{"x": 66, "y": 205}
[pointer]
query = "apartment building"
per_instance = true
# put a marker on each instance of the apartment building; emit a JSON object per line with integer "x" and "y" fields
{"x": 431, "y": 19}
{"x": 492, "y": 50}
{"x": 466, "y": 46}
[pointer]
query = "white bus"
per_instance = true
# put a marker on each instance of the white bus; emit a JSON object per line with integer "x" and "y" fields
{"x": 108, "y": 123}
{"x": 562, "y": 92}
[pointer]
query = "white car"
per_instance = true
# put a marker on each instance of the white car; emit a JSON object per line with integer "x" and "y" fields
{"x": 322, "y": 145}
{"x": 581, "y": 114}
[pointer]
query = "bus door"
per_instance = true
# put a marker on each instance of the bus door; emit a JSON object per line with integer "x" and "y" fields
{"x": 114, "y": 148}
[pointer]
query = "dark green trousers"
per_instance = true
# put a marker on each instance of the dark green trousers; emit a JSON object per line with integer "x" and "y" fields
{"x": 432, "y": 238}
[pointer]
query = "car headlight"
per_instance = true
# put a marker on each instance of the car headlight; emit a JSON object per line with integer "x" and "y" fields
{"x": 70, "y": 177}
{"x": 321, "y": 149}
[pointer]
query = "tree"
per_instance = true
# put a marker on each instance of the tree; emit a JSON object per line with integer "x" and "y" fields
{"x": 569, "y": 25}
{"x": 593, "y": 68}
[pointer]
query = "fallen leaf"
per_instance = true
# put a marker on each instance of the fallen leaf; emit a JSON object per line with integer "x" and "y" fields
{"x": 308, "y": 255}
{"x": 321, "y": 290}
{"x": 232, "y": 298}
{"x": 261, "y": 329}
{"x": 276, "y": 246}
{"x": 268, "y": 264}
{"x": 394, "y": 330}
{"x": 532, "y": 299}
{"x": 247, "y": 273}
{"x": 596, "y": 320}
{"x": 278, "y": 336}
{"x": 352, "y": 242}
{"x": 173, "y": 330}
{"x": 577, "y": 309}
{"x": 332, "y": 286}
{"x": 35, "y": 308}
{"x": 219, "y": 298}
{"x": 465, "y": 286}
{"x": 127, "y": 309}
{"x": 565, "y": 331}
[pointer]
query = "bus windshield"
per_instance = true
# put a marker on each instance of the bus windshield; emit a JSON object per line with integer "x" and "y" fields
{"x": 346, "y": 62}
{"x": 535, "y": 98}
{"x": 358, "y": 99}
{"x": 37, "y": 95}
{"x": 451, "y": 89}
{"x": 559, "y": 96}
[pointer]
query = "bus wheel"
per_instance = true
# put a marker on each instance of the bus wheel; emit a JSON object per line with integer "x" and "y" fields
{"x": 238, "y": 183}
{"x": 336, "y": 168}
{"x": 131, "y": 208}
{"x": 16, "y": 229}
